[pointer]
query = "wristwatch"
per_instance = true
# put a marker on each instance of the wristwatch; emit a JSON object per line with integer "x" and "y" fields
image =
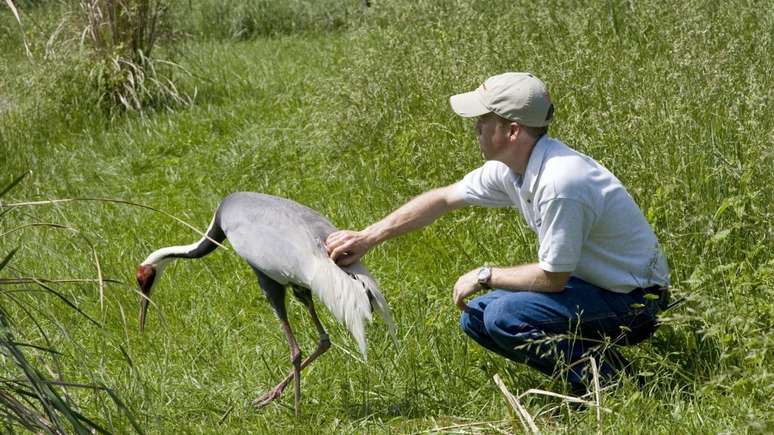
{"x": 484, "y": 276}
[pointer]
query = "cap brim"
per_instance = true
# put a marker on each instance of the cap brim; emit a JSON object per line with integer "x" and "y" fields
{"x": 468, "y": 105}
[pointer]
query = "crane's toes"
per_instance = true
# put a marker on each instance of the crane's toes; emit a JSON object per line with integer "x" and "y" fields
{"x": 268, "y": 397}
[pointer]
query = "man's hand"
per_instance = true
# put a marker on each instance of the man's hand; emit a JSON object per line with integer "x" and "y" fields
{"x": 466, "y": 285}
{"x": 346, "y": 247}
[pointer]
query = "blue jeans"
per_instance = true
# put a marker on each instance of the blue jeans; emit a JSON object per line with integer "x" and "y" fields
{"x": 551, "y": 331}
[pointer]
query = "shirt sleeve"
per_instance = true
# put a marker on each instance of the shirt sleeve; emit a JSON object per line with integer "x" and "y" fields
{"x": 485, "y": 186}
{"x": 564, "y": 227}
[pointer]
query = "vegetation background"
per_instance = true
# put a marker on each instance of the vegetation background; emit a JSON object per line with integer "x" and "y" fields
{"x": 345, "y": 109}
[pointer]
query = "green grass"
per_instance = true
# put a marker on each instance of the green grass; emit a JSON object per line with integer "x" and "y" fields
{"x": 350, "y": 116}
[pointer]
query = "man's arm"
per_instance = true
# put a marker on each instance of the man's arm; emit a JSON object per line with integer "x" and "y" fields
{"x": 346, "y": 247}
{"x": 528, "y": 277}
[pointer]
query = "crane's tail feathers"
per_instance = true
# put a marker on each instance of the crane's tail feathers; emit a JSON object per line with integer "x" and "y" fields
{"x": 376, "y": 300}
{"x": 348, "y": 293}
{"x": 379, "y": 303}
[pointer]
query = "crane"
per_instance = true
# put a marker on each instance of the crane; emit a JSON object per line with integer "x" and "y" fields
{"x": 284, "y": 243}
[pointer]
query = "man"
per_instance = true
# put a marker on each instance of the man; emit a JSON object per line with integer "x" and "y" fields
{"x": 600, "y": 275}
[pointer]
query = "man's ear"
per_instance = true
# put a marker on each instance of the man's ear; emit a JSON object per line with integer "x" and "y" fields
{"x": 514, "y": 130}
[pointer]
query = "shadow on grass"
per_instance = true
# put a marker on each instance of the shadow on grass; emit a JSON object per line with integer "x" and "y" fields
{"x": 409, "y": 406}
{"x": 685, "y": 358}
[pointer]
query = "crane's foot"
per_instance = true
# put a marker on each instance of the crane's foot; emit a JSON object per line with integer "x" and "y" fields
{"x": 270, "y": 396}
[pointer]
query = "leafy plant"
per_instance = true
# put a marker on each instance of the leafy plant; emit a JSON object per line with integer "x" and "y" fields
{"x": 122, "y": 36}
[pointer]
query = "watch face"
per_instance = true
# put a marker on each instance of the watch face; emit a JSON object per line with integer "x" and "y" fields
{"x": 483, "y": 275}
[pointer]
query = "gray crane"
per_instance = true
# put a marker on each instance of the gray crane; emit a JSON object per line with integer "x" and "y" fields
{"x": 283, "y": 242}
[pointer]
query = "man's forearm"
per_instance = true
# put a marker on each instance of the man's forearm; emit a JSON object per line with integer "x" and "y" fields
{"x": 346, "y": 247}
{"x": 529, "y": 277}
{"x": 415, "y": 214}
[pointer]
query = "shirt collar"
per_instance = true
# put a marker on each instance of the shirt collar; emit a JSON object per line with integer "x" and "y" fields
{"x": 535, "y": 163}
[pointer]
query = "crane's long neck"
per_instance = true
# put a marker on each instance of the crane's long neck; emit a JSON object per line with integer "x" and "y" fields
{"x": 199, "y": 249}
{"x": 164, "y": 255}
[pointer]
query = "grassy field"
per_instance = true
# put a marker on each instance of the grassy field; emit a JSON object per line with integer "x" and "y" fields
{"x": 346, "y": 110}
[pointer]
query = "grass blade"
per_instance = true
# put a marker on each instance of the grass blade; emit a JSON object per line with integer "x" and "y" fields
{"x": 8, "y": 257}
{"x": 65, "y": 300}
{"x": 19, "y": 178}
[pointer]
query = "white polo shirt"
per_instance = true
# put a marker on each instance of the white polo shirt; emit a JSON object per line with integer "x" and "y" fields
{"x": 585, "y": 220}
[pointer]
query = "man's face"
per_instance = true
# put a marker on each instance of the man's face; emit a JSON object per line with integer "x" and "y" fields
{"x": 492, "y": 135}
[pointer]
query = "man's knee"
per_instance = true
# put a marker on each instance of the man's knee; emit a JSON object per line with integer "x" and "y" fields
{"x": 509, "y": 317}
{"x": 472, "y": 320}
{"x": 465, "y": 322}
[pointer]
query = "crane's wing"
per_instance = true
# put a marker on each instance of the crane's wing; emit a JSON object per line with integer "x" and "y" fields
{"x": 282, "y": 238}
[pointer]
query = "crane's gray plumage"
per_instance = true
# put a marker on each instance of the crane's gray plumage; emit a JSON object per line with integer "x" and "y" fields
{"x": 283, "y": 242}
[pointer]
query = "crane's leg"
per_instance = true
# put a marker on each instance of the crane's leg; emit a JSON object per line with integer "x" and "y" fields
{"x": 305, "y": 296}
{"x": 275, "y": 292}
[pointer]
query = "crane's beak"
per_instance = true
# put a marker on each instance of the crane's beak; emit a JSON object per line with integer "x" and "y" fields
{"x": 143, "y": 310}
{"x": 146, "y": 274}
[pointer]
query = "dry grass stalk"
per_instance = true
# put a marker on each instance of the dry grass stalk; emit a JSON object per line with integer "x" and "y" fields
{"x": 446, "y": 429}
{"x": 597, "y": 396}
{"x": 31, "y": 280}
{"x": 21, "y": 29}
{"x": 595, "y": 379}
{"x": 526, "y": 419}
{"x": 564, "y": 397}
{"x": 129, "y": 27}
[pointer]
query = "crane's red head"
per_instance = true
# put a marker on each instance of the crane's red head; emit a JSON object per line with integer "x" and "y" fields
{"x": 146, "y": 275}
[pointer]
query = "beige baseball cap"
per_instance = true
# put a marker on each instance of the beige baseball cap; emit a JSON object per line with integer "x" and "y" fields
{"x": 516, "y": 96}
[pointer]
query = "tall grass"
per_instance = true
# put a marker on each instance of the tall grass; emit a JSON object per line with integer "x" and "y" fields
{"x": 35, "y": 392}
{"x": 353, "y": 122}
{"x": 244, "y": 20}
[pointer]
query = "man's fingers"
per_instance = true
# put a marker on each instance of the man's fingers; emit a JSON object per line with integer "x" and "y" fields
{"x": 337, "y": 253}
{"x": 343, "y": 256}
{"x": 331, "y": 246}
{"x": 345, "y": 247}
{"x": 335, "y": 241}
{"x": 463, "y": 289}
{"x": 332, "y": 240}
{"x": 336, "y": 237}
{"x": 461, "y": 304}
{"x": 346, "y": 260}
{"x": 459, "y": 300}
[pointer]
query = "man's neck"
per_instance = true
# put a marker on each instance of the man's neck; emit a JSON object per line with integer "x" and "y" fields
{"x": 519, "y": 158}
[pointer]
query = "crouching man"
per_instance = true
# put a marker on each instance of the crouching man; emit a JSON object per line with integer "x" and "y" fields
{"x": 600, "y": 274}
